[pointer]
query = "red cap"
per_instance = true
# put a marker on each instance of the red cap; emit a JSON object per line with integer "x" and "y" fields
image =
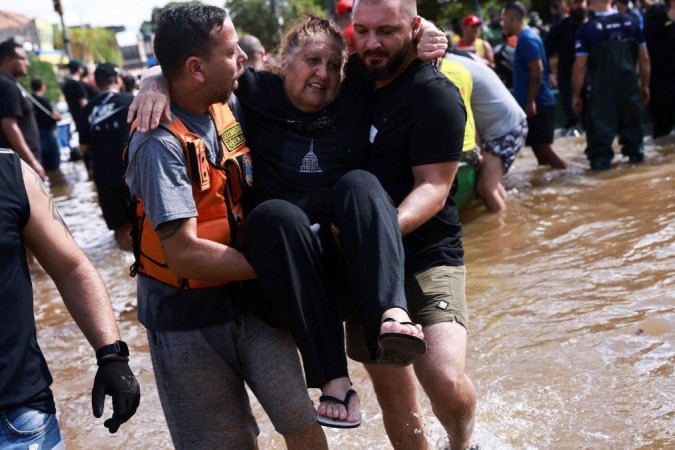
{"x": 471, "y": 20}
{"x": 343, "y": 6}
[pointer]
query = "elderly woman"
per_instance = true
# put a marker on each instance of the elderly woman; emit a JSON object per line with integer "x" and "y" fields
{"x": 307, "y": 129}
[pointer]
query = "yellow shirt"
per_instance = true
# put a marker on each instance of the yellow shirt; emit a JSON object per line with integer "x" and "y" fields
{"x": 478, "y": 45}
{"x": 461, "y": 78}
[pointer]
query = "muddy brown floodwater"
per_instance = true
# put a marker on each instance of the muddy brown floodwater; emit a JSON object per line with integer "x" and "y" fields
{"x": 572, "y": 302}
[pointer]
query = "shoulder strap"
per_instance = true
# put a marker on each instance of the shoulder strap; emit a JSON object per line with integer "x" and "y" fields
{"x": 238, "y": 111}
{"x": 33, "y": 100}
{"x": 195, "y": 153}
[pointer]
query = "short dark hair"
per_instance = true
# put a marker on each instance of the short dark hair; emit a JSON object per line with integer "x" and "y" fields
{"x": 250, "y": 45}
{"x": 74, "y": 65}
{"x": 105, "y": 75}
{"x": 8, "y": 49}
{"x": 36, "y": 84}
{"x": 518, "y": 8}
{"x": 129, "y": 82}
{"x": 185, "y": 31}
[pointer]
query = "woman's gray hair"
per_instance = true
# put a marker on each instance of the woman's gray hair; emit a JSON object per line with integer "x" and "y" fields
{"x": 308, "y": 28}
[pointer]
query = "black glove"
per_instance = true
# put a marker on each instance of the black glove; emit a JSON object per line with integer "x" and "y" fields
{"x": 114, "y": 378}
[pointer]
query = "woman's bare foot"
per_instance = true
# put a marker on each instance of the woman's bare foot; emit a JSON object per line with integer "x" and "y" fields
{"x": 400, "y": 341}
{"x": 338, "y": 388}
{"x": 398, "y": 325}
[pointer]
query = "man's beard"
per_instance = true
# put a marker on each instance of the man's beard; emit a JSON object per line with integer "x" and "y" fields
{"x": 225, "y": 91}
{"x": 381, "y": 73}
{"x": 577, "y": 16}
{"x": 18, "y": 73}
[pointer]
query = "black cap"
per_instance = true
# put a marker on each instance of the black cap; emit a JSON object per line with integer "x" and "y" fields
{"x": 105, "y": 72}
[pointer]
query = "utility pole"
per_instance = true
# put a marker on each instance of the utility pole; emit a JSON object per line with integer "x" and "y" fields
{"x": 66, "y": 40}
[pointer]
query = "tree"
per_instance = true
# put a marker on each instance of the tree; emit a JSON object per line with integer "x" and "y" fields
{"x": 93, "y": 44}
{"x": 148, "y": 27}
{"x": 442, "y": 12}
{"x": 266, "y": 19}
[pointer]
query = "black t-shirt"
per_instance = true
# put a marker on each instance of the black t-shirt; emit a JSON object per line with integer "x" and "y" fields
{"x": 91, "y": 90}
{"x": 74, "y": 91}
{"x": 417, "y": 119}
{"x": 299, "y": 156}
{"x": 14, "y": 103}
{"x": 24, "y": 377}
{"x": 561, "y": 40}
{"x": 660, "y": 37}
{"x": 44, "y": 121}
{"x": 103, "y": 126}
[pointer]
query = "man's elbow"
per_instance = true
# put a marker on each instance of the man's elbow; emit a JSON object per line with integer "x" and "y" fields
{"x": 8, "y": 125}
{"x": 440, "y": 204}
{"x": 643, "y": 61}
{"x": 437, "y": 202}
{"x": 178, "y": 257}
{"x": 179, "y": 264}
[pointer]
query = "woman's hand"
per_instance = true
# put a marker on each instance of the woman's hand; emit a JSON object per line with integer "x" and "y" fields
{"x": 432, "y": 43}
{"x": 151, "y": 104}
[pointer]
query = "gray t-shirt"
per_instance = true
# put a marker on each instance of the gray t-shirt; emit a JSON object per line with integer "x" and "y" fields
{"x": 495, "y": 110}
{"x": 157, "y": 173}
{"x": 167, "y": 194}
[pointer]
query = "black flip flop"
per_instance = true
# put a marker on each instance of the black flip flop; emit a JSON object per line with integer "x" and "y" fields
{"x": 336, "y": 423}
{"x": 399, "y": 349}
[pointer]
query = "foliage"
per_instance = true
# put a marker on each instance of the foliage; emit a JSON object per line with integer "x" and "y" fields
{"x": 266, "y": 19}
{"x": 92, "y": 44}
{"x": 255, "y": 17}
{"x": 445, "y": 13}
{"x": 45, "y": 71}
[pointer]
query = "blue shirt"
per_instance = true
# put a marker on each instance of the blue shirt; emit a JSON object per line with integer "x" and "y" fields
{"x": 616, "y": 26}
{"x": 530, "y": 47}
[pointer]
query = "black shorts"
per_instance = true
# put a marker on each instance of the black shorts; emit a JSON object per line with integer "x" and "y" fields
{"x": 541, "y": 126}
{"x": 113, "y": 201}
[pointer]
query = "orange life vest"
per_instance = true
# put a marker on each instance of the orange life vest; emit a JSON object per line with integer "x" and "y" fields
{"x": 216, "y": 189}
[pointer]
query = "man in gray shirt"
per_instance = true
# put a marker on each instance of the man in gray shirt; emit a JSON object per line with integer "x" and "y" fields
{"x": 502, "y": 126}
{"x": 203, "y": 346}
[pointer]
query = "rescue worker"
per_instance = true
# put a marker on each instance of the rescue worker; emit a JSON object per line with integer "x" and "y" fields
{"x": 560, "y": 41}
{"x": 608, "y": 47}
{"x": 660, "y": 37}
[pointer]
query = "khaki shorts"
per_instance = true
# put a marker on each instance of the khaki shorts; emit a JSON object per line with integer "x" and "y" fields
{"x": 434, "y": 296}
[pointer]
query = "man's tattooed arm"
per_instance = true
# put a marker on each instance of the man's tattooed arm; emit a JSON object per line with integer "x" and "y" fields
{"x": 27, "y": 170}
{"x": 169, "y": 229}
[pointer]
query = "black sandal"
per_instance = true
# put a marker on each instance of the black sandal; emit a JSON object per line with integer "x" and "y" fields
{"x": 399, "y": 349}
{"x": 337, "y": 423}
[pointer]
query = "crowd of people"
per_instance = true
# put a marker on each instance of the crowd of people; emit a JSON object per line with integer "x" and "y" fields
{"x": 302, "y": 201}
{"x": 612, "y": 61}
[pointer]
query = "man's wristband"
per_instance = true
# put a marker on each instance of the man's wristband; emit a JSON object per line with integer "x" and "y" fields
{"x": 118, "y": 347}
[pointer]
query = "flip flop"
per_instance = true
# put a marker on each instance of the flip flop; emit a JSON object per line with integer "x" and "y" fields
{"x": 399, "y": 349}
{"x": 337, "y": 423}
